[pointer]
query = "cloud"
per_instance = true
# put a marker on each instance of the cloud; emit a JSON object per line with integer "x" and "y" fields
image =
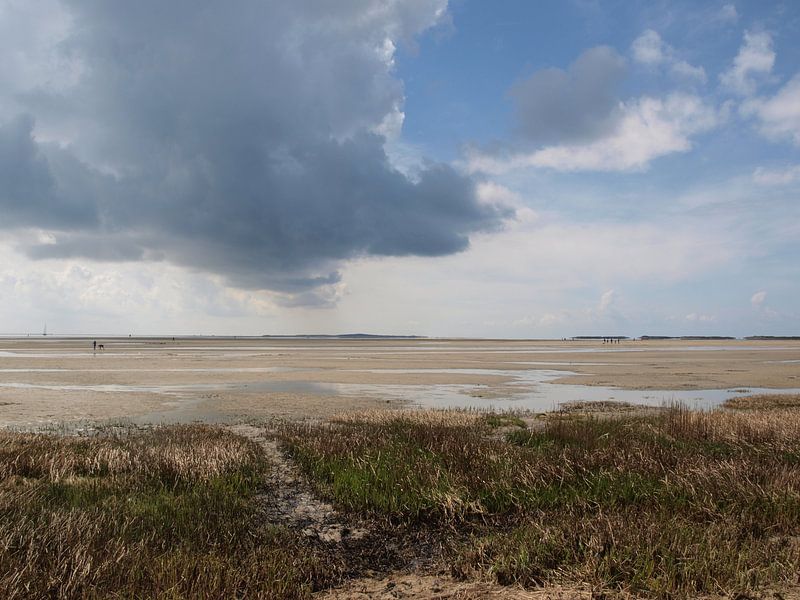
{"x": 573, "y": 120}
{"x": 30, "y": 193}
{"x": 776, "y": 177}
{"x": 728, "y": 13}
{"x": 778, "y": 116}
{"x": 246, "y": 143}
{"x": 753, "y": 62}
{"x": 576, "y": 104}
{"x": 137, "y": 297}
{"x": 683, "y": 70}
{"x": 700, "y": 318}
{"x": 606, "y": 301}
{"x": 650, "y": 50}
{"x": 757, "y": 299}
{"x": 648, "y": 128}
{"x": 545, "y": 320}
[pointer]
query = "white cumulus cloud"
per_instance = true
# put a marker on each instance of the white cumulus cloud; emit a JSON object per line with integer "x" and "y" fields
{"x": 778, "y": 116}
{"x": 648, "y": 129}
{"x": 753, "y": 62}
{"x": 651, "y": 50}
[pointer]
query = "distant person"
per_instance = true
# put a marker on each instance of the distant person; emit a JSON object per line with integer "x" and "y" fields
{"x": 94, "y": 346}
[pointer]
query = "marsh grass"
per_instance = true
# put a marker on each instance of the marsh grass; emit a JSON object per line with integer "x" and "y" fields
{"x": 763, "y": 402}
{"x": 501, "y": 420}
{"x": 670, "y": 504}
{"x": 169, "y": 513}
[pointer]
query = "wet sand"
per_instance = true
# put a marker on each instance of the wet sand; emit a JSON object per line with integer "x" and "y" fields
{"x": 52, "y": 380}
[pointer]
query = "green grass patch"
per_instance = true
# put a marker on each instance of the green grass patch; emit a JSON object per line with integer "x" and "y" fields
{"x": 504, "y": 420}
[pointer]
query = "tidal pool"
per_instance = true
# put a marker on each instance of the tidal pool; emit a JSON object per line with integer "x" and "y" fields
{"x": 526, "y": 390}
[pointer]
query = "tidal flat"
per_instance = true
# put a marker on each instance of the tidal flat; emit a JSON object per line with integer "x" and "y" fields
{"x": 49, "y": 381}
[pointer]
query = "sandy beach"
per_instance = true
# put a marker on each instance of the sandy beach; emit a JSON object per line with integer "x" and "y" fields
{"x": 54, "y": 380}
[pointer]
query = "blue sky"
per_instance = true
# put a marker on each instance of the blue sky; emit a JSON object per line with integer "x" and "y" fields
{"x": 514, "y": 169}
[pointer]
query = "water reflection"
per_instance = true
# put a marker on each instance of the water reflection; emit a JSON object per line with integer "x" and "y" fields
{"x": 531, "y": 390}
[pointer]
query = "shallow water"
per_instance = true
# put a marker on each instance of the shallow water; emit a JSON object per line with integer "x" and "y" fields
{"x": 530, "y": 390}
{"x": 536, "y": 392}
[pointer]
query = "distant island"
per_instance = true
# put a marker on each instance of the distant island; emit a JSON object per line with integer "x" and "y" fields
{"x": 346, "y": 336}
{"x": 687, "y": 337}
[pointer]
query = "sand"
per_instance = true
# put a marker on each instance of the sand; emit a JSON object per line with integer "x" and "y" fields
{"x": 50, "y": 380}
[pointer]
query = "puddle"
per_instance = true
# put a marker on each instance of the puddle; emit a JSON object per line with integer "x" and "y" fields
{"x": 536, "y": 392}
{"x": 573, "y": 363}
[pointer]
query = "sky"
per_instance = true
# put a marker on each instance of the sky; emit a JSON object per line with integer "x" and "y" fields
{"x": 503, "y": 169}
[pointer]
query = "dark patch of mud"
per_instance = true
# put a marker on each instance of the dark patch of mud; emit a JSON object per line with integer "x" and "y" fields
{"x": 359, "y": 547}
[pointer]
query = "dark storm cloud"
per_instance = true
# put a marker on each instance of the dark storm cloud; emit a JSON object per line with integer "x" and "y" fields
{"x": 29, "y": 192}
{"x": 579, "y": 104}
{"x": 235, "y": 139}
{"x": 108, "y": 248}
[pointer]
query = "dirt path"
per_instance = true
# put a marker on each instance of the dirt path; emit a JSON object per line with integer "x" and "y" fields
{"x": 290, "y": 500}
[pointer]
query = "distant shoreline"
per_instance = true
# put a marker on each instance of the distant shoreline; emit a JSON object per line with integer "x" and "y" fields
{"x": 377, "y": 336}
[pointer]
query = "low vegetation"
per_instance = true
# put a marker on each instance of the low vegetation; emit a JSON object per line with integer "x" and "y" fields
{"x": 673, "y": 503}
{"x": 670, "y": 504}
{"x": 168, "y": 513}
{"x": 763, "y": 402}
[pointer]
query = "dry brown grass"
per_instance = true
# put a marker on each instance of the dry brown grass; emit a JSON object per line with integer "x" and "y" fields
{"x": 763, "y": 402}
{"x": 179, "y": 454}
{"x": 170, "y": 513}
{"x": 436, "y": 418}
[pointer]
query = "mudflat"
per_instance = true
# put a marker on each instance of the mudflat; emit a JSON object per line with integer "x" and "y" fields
{"x": 57, "y": 380}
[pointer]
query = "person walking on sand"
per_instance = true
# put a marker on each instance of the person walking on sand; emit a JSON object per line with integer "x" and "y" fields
{"x": 94, "y": 346}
